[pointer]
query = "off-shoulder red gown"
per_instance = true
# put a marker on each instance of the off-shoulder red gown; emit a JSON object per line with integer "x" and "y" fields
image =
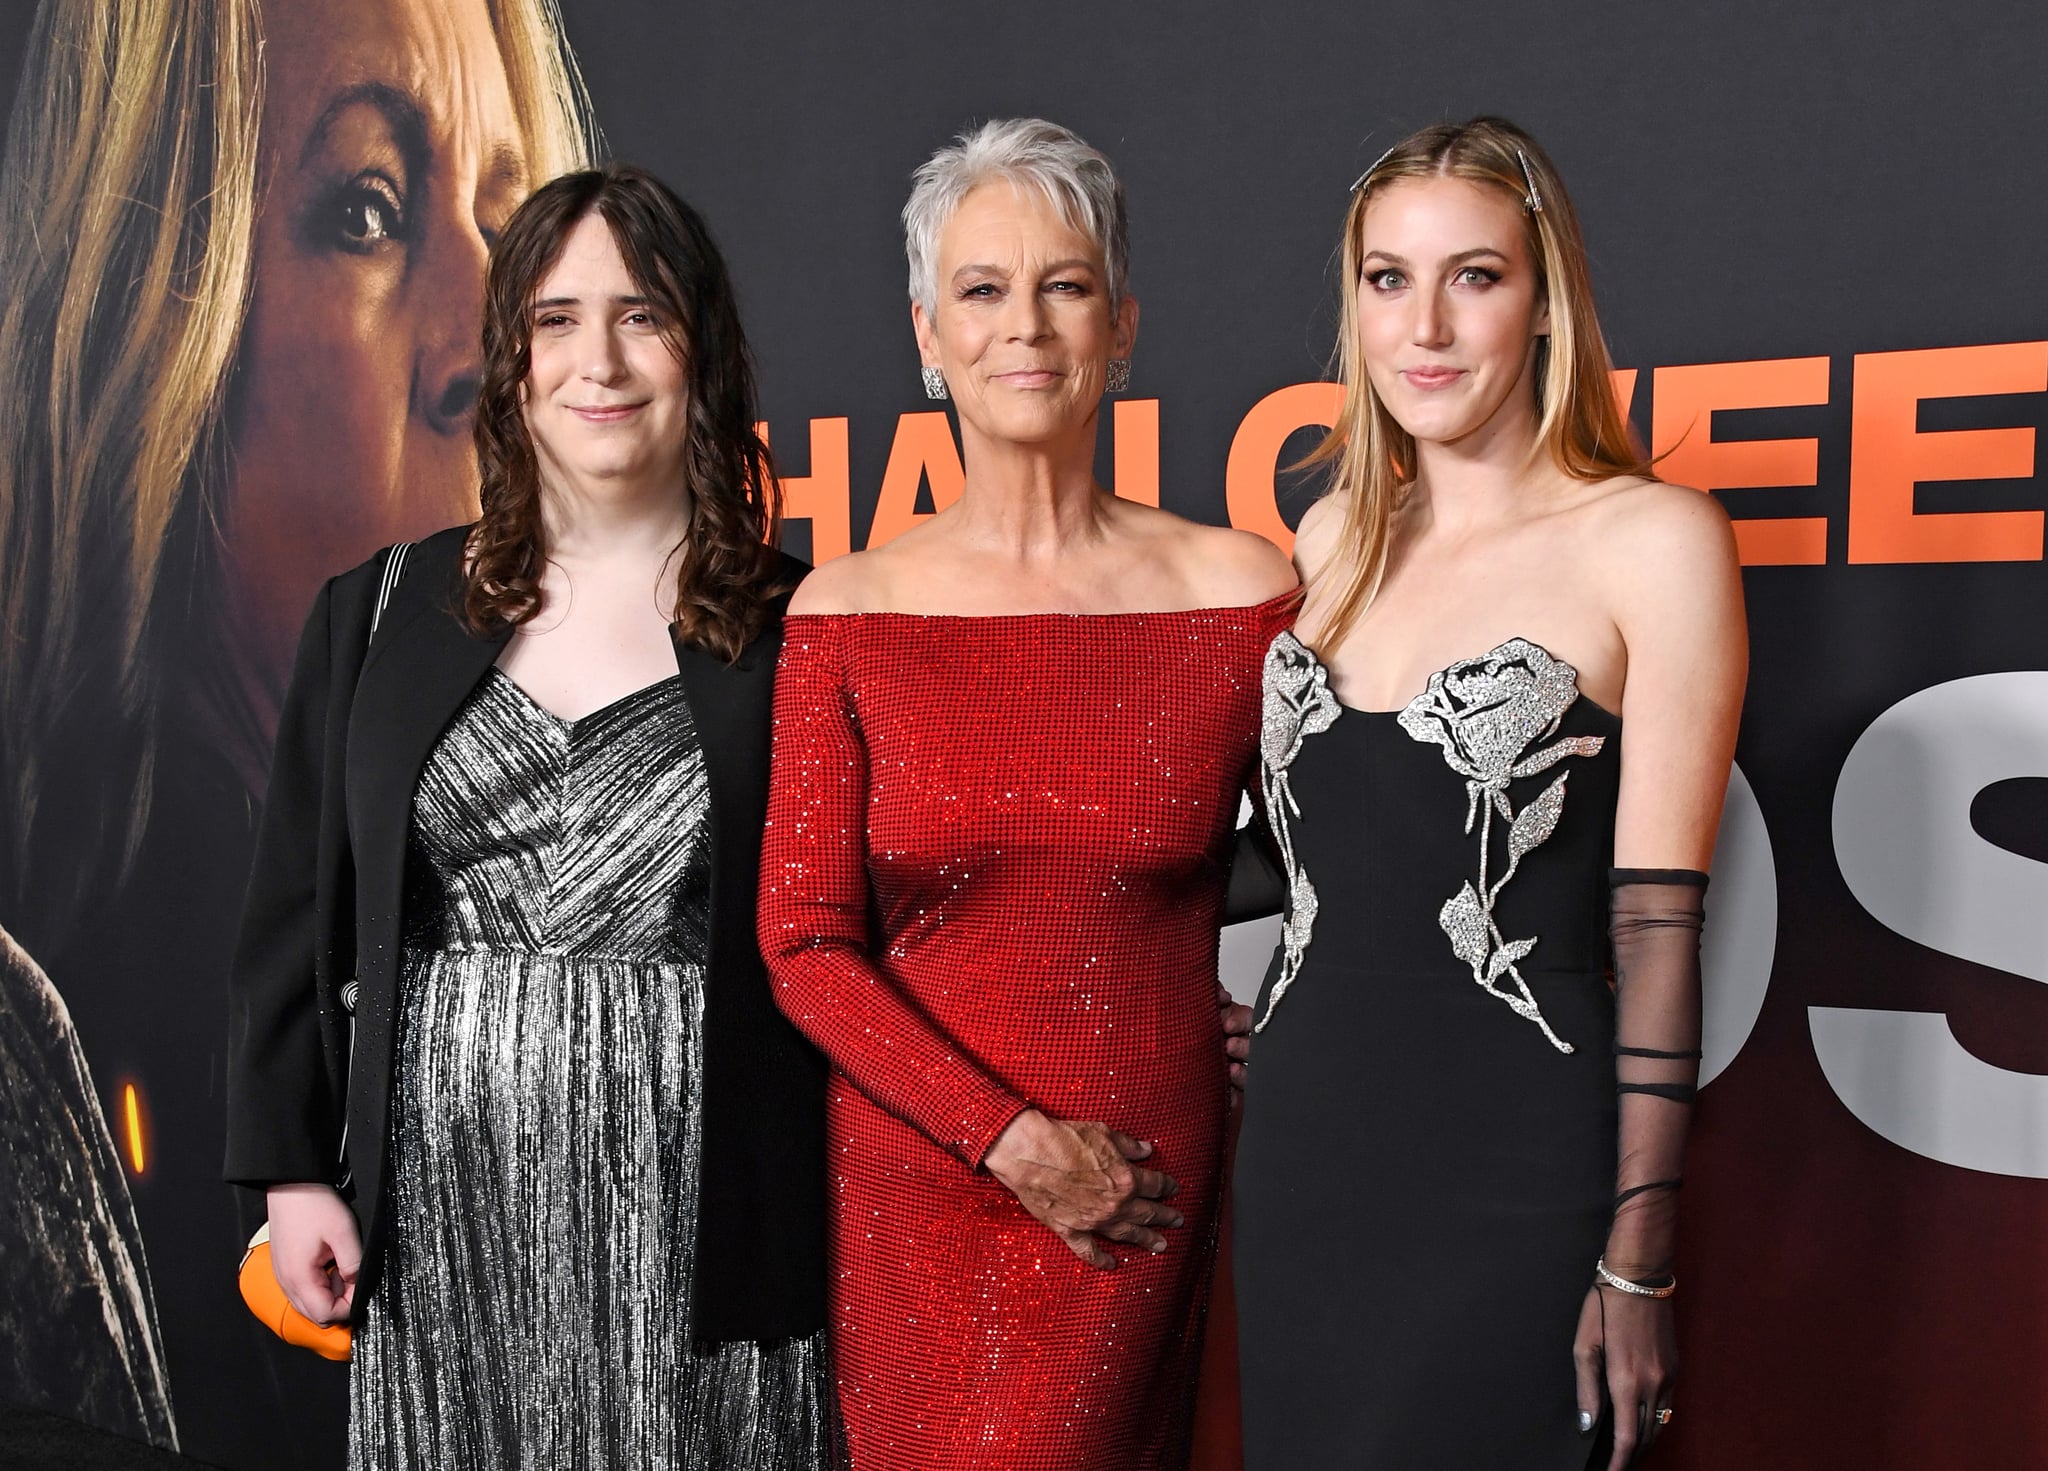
{"x": 993, "y": 877}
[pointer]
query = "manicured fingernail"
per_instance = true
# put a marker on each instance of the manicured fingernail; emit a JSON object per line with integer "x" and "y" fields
{"x": 1157, "y": 1247}
{"x": 1585, "y": 1422}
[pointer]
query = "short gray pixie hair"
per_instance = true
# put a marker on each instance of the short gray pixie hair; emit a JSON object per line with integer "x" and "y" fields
{"x": 1078, "y": 181}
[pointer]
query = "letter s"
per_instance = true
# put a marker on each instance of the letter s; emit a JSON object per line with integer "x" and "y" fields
{"x": 1906, "y": 848}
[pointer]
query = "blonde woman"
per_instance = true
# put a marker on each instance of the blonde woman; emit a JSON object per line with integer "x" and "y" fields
{"x": 1495, "y": 751}
{"x": 245, "y": 247}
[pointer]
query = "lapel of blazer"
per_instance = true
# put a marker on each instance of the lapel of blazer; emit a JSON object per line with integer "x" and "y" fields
{"x": 732, "y": 707}
{"x": 420, "y": 668}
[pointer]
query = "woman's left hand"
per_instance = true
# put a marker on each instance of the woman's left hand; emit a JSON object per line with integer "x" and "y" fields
{"x": 1626, "y": 1352}
{"x": 1237, "y": 1036}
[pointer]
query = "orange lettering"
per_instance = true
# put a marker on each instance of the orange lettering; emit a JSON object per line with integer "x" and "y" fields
{"x": 1136, "y": 432}
{"x": 1248, "y": 490}
{"x": 923, "y": 450}
{"x": 1889, "y": 455}
{"x": 1682, "y": 440}
{"x": 1624, "y": 381}
{"x": 824, "y": 496}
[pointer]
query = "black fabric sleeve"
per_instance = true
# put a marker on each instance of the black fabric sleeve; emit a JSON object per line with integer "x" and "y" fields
{"x": 1257, "y": 888}
{"x": 1656, "y": 922}
{"x": 284, "y": 1117}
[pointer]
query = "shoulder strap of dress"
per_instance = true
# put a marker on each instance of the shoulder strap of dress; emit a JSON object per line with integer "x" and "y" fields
{"x": 394, "y": 568}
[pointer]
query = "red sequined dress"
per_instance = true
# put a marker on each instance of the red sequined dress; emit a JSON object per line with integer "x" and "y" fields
{"x": 992, "y": 878}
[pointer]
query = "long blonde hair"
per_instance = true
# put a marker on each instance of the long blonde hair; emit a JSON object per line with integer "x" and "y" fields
{"x": 1581, "y": 427}
{"x": 128, "y": 205}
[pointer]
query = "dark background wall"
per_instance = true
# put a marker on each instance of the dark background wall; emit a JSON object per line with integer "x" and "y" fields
{"x": 1758, "y": 182}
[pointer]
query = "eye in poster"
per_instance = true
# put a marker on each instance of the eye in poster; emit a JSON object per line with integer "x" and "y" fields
{"x": 244, "y": 244}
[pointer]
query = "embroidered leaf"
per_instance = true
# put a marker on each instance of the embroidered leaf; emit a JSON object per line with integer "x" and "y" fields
{"x": 1301, "y": 906}
{"x": 1464, "y": 919}
{"x": 1549, "y": 756}
{"x": 1506, "y": 956}
{"x": 1296, "y": 703}
{"x": 1500, "y": 805}
{"x": 1538, "y": 819}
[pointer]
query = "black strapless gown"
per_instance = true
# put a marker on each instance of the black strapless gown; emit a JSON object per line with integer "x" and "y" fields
{"x": 1426, "y": 1174}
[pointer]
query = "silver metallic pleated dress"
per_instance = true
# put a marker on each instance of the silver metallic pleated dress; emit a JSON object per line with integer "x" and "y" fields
{"x": 534, "y": 1308}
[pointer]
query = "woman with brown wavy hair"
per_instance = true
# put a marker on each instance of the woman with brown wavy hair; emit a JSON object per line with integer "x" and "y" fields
{"x": 244, "y": 243}
{"x": 503, "y": 1055}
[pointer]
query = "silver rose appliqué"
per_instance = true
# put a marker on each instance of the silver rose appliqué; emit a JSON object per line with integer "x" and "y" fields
{"x": 1297, "y": 703}
{"x": 1485, "y": 713}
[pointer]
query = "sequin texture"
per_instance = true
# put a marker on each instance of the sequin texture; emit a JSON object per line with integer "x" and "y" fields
{"x": 1296, "y": 704}
{"x": 993, "y": 876}
{"x": 546, "y": 1140}
{"x": 1485, "y": 713}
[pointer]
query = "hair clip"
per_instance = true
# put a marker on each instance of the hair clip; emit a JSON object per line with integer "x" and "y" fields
{"x": 1359, "y": 182}
{"x": 1533, "y": 198}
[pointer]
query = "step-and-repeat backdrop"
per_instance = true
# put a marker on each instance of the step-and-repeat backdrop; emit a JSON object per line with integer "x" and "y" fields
{"x": 243, "y": 242}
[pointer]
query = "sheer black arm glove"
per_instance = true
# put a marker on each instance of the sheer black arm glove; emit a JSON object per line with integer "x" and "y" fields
{"x": 1655, "y": 928}
{"x": 1626, "y": 1349}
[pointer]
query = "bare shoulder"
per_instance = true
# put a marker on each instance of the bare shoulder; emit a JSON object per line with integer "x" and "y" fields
{"x": 1649, "y": 518}
{"x": 1215, "y": 565}
{"x": 849, "y": 584}
{"x": 1668, "y": 555}
{"x": 1646, "y": 539}
{"x": 1321, "y": 532}
{"x": 1237, "y": 567}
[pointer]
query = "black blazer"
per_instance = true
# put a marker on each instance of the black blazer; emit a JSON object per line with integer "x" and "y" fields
{"x": 313, "y": 995}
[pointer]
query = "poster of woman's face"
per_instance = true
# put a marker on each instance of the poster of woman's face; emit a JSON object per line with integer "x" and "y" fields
{"x": 391, "y": 155}
{"x": 248, "y": 244}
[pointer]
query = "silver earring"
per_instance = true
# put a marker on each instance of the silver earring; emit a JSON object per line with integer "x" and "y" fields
{"x": 934, "y": 383}
{"x": 1118, "y": 378}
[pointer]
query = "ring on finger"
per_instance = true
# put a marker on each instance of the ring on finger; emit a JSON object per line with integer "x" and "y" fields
{"x": 1663, "y": 1416}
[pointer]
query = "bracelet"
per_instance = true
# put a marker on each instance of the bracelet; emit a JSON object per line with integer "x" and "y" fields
{"x": 1635, "y": 1289}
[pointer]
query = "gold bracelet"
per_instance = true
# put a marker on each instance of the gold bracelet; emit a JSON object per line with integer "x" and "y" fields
{"x": 1634, "y": 1289}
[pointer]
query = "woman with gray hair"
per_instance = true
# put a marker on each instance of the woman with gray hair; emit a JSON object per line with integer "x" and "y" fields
{"x": 1008, "y": 749}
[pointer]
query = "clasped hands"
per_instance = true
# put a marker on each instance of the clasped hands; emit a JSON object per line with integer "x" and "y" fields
{"x": 1083, "y": 1180}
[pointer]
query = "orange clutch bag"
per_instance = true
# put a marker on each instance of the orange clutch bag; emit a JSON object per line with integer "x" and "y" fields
{"x": 267, "y": 1301}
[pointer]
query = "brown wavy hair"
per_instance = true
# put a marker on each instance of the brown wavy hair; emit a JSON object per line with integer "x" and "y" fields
{"x": 1580, "y": 428}
{"x": 728, "y": 570}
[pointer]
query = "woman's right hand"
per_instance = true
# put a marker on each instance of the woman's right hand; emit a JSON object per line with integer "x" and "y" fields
{"x": 314, "y": 1249}
{"x": 1083, "y": 1181}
